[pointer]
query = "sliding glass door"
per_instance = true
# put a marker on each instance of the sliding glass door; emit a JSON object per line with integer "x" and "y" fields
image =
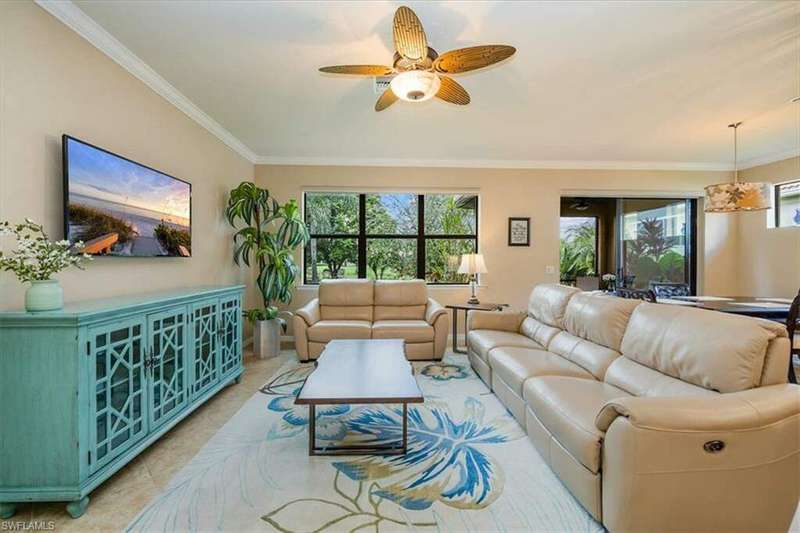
{"x": 656, "y": 241}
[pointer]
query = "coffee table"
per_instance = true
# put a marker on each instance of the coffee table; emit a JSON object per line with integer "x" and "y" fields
{"x": 360, "y": 372}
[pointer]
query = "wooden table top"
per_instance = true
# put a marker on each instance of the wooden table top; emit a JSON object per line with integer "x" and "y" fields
{"x": 740, "y": 305}
{"x": 483, "y": 306}
{"x": 361, "y": 371}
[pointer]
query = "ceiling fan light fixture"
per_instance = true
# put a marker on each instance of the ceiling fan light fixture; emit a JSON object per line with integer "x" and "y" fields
{"x": 415, "y": 85}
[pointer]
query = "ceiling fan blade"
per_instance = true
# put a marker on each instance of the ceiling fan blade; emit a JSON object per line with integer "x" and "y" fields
{"x": 409, "y": 37}
{"x": 386, "y": 99}
{"x": 359, "y": 70}
{"x": 452, "y": 92}
{"x": 472, "y": 58}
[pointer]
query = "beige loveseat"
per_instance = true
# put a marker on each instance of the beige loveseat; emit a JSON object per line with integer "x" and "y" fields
{"x": 363, "y": 309}
{"x": 656, "y": 417}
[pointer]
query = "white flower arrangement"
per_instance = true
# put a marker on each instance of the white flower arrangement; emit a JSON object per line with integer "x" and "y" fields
{"x": 37, "y": 258}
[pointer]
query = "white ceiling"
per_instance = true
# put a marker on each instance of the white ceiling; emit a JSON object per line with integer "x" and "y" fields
{"x": 592, "y": 83}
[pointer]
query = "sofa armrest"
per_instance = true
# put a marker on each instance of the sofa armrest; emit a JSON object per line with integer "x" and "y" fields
{"x": 744, "y": 410}
{"x": 310, "y": 312}
{"x": 498, "y": 320}
{"x": 715, "y": 456}
{"x": 433, "y": 311}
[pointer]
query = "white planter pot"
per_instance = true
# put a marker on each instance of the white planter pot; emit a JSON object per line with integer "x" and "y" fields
{"x": 44, "y": 296}
{"x": 266, "y": 338}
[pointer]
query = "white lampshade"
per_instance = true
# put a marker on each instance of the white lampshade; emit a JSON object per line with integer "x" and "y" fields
{"x": 737, "y": 196}
{"x": 415, "y": 85}
{"x": 472, "y": 264}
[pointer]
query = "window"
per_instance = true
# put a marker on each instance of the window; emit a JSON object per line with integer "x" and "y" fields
{"x": 787, "y": 204}
{"x": 578, "y": 247}
{"x": 389, "y": 236}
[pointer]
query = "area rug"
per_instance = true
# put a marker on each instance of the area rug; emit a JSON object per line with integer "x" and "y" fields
{"x": 469, "y": 467}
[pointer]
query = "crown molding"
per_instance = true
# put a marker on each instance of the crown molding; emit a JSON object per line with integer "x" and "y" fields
{"x": 493, "y": 163}
{"x": 74, "y": 18}
{"x": 767, "y": 159}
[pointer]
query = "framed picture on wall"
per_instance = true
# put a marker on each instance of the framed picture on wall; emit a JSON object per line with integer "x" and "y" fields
{"x": 519, "y": 231}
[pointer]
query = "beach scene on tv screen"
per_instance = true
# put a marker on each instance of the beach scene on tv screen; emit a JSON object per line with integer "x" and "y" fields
{"x": 117, "y": 207}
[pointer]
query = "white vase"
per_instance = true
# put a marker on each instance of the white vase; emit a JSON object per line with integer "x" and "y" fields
{"x": 44, "y": 296}
{"x": 266, "y": 338}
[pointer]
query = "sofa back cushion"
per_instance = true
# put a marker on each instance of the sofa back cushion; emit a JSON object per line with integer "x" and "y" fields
{"x": 599, "y": 317}
{"x": 548, "y": 303}
{"x": 591, "y": 356}
{"x": 716, "y": 351}
{"x": 400, "y": 300}
{"x": 639, "y": 380}
{"x": 346, "y": 299}
{"x": 541, "y": 333}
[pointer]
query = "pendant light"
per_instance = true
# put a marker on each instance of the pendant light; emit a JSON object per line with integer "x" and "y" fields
{"x": 739, "y": 195}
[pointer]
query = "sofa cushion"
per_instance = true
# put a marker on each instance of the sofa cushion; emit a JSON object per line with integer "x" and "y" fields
{"x": 541, "y": 333}
{"x": 346, "y": 292}
{"x": 599, "y": 317}
{"x": 400, "y": 299}
{"x": 401, "y": 292}
{"x": 514, "y": 365}
{"x": 717, "y": 351}
{"x": 346, "y": 299}
{"x": 567, "y": 408}
{"x": 548, "y": 303}
{"x": 481, "y": 341}
{"x": 346, "y": 312}
{"x": 410, "y": 330}
{"x": 639, "y": 380}
{"x": 593, "y": 357}
{"x": 327, "y": 330}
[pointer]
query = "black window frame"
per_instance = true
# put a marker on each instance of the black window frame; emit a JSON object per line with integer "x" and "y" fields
{"x": 362, "y": 236}
{"x": 776, "y": 204}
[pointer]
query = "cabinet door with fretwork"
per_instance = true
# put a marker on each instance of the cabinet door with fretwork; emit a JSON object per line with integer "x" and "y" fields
{"x": 167, "y": 331}
{"x": 118, "y": 402}
{"x": 204, "y": 346}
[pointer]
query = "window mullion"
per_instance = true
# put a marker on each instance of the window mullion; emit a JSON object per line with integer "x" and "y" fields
{"x": 421, "y": 236}
{"x": 362, "y": 235}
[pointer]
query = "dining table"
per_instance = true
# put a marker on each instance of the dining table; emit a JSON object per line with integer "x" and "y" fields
{"x": 773, "y": 308}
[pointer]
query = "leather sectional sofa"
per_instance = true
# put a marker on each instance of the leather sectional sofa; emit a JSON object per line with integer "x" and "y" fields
{"x": 366, "y": 309}
{"x": 656, "y": 417}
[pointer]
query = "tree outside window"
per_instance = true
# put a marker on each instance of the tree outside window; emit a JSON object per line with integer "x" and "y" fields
{"x": 389, "y": 235}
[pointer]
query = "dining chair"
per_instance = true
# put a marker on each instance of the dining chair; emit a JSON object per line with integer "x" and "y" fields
{"x": 666, "y": 289}
{"x": 636, "y": 294}
{"x": 588, "y": 283}
{"x": 794, "y": 344}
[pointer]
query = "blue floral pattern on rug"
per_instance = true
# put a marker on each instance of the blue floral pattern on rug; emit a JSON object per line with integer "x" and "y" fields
{"x": 445, "y": 461}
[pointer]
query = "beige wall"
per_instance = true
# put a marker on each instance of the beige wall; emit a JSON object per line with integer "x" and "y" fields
{"x": 769, "y": 258}
{"x": 52, "y": 82}
{"x": 527, "y": 193}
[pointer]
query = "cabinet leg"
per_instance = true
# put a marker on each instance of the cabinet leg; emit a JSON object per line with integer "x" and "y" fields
{"x": 78, "y": 507}
{"x": 7, "y": 510}
{"x": 237, "y": 379}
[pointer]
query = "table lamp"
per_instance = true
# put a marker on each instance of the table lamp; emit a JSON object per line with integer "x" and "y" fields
{"x": 473, "y": 265}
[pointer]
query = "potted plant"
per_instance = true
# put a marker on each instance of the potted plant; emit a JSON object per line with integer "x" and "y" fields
{"x": 268, "y": 233}
{"x": 36, "y": 260}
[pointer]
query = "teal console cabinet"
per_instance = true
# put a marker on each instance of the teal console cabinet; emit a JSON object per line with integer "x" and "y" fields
{"x": 85, "y": 389}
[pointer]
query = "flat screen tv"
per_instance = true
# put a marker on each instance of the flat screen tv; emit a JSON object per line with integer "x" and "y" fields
{"x": 118, "y": 207}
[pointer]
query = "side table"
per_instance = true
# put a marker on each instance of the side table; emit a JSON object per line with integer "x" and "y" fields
{"x": 467, "y": 308}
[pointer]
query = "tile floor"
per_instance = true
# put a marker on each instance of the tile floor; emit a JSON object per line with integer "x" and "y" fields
{"x": 117, "y": 501}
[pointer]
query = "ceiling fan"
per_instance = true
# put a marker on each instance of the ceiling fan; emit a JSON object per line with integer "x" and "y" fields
{"x": 418, "y": 70}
